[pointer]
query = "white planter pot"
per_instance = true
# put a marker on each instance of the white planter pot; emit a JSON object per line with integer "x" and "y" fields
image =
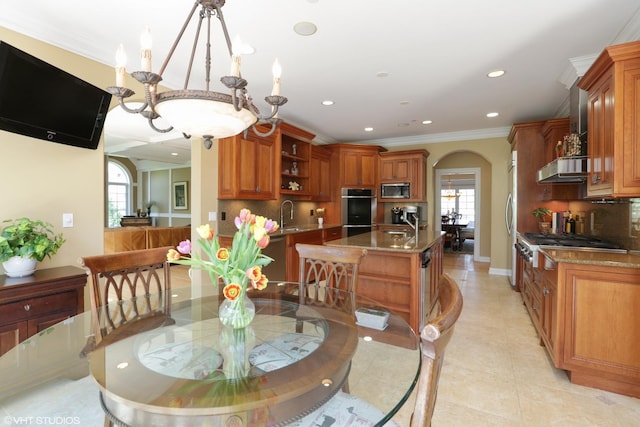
{"x": 19, "y": 267}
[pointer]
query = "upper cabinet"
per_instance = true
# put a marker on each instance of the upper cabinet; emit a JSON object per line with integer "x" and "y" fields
{"x": 405, "y": 166}
{"x": 247, "y": 166}
{"x": 357, "y": 164}
{"x": 320, "y": 177}
{"x": 613, "y": 121}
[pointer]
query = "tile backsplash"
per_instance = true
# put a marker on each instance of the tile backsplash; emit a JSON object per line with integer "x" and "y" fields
{"x": 269, "y": 209}
{"x": 615, "y": 221}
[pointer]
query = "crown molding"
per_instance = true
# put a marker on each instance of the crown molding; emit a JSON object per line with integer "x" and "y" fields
{"x": 435, "y": 138}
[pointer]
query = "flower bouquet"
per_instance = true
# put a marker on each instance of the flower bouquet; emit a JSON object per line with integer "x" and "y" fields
{"x": 239, "y": 266}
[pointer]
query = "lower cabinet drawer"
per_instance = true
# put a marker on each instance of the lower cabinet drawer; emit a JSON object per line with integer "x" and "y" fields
{"x": 32, "y": 307}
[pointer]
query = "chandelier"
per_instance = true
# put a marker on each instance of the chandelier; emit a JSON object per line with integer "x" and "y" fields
{"x": 200, "y": 113}
{"x": 450, "y": 192}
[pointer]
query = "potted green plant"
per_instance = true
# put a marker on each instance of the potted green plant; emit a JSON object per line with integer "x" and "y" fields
{"x": 543, "y": 215}
{"x": 24, "y": 242}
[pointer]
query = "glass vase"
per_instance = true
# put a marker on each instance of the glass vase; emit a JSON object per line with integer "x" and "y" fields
{"x": 237, "y": 313}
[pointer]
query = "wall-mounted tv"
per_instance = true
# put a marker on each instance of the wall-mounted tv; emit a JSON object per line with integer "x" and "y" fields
{"x": 42, "y": 101}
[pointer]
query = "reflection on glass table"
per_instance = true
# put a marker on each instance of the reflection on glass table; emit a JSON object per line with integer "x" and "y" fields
{"x": 196, "y": 370}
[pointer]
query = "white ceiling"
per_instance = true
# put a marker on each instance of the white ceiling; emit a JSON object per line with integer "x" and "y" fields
{"x": 436, "y": 55}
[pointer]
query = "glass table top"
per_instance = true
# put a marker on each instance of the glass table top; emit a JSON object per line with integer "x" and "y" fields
{"x": 290, "y": 360}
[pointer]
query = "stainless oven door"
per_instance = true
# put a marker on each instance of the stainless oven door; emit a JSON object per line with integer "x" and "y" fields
{"x": 358, "y": 207}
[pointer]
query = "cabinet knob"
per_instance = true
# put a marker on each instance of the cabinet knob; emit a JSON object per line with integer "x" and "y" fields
{"x": 545, "y": 292}
{"x": 27, "y": 307}
{"x": 595, "y": 178}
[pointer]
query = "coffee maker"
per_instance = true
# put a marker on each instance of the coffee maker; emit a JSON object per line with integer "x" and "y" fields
{"x": 396, "y": 215}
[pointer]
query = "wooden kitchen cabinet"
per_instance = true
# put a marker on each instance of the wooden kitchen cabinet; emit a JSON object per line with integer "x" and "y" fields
{"x": 613, "y": 121}
{"x": 396, "y": 168}
{"x": 247, "y": 167}
{"x": 549, "y": 298}
{"x": 586, "y": 317}
{"x": 599, "y": 326}
{"x": 531, "y": 293}
{"x": 313, "y": 237}
{"x": 320, "y": 177}
{"x": 553, "y": 131}
{"x": 357, "y": 165}
{"x": 28, "y": 305}
{"x": 405, "y": 166}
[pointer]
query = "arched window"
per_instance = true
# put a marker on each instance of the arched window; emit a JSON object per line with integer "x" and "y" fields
{"x": 118, "y": 193}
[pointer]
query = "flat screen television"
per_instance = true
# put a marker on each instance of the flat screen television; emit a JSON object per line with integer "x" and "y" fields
{"x": 43, "y": 101}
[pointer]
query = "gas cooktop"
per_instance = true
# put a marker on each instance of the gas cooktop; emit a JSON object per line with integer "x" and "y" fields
{"x": 571, "y": 240}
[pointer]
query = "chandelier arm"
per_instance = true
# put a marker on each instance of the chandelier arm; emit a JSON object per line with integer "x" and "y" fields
{"x": 132, "y": 110}
{"x": 150, "y": 98}
{"x": 157, "y": 129}
{"x": 238, "y": 102}
{"x": 274, "y": 111}
{"x": 274, "y": 124}
{"x": 175, "y": 43}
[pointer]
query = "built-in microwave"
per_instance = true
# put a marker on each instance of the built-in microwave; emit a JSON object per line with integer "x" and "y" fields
{"x": 401, "y": 190}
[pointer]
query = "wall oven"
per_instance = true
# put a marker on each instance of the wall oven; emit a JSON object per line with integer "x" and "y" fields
{"x": 359, "y": 207}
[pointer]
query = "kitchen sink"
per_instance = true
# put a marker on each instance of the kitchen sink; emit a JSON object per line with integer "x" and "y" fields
{"x": 297, "y": 228}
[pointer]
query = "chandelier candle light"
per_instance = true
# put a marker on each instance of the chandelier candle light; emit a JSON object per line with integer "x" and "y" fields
{"x": 237, "y": 267}
{"x": 200, "y": 113}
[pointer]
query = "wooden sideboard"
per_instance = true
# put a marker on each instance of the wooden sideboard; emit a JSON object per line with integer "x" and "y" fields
{"x": 31, "y": 304}
{"x": 134, "y": 238}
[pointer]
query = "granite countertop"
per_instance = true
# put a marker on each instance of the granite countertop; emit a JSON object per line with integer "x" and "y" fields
{"x": 593, "y": 257}
{"x": 293, "y": 229}
{"x": 390, "y": 240}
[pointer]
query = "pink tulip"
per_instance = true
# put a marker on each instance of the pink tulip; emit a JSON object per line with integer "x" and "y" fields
{"x": 184, "y": 247}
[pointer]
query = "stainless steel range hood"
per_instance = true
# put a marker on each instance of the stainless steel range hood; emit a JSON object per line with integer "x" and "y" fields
{"x": 568, "y": 170}
{"x": 564, "y": 170}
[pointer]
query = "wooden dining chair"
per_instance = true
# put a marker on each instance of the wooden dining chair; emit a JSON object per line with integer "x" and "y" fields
{"x": 322, "y": 269}
{"x": 126, "y": 287}
{"x": 434, "y": 338}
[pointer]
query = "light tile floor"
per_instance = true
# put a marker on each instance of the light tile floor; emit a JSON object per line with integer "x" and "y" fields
{"x": 495, "y": 373}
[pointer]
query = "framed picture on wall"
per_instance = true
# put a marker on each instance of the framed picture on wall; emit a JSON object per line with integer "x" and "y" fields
{"x": 180, "y": 195}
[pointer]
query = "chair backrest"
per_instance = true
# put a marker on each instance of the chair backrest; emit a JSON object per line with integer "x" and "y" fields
{"x": 323, "y": 268}
{"x": 127, "y": 286}
{"x": 434, "y": 339}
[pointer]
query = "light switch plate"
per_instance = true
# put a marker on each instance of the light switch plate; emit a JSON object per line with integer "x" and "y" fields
{"x": 213, "y": 216}
{"x": 67, "y": 220}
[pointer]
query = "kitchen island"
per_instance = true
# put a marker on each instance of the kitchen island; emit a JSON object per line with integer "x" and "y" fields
{"x": 392, "y": 271}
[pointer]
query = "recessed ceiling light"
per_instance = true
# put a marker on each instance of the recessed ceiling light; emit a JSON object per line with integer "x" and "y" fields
{"x": 404, "y": 102}
{"x": 427, "y": 122}
{"x": 382, "y": 74}
{"x": 174, "y": 154}
{"x": 494, "y": 114}
{"x": 495, "y": 73}
{"x": 369, "y": 129}
{"x": 327, "y": 102}
{"x": 305, "y": 28}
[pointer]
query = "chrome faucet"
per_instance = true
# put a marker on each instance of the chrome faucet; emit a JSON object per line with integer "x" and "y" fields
{"x": 415, "y": 225}
{"x": 282, "y": 211}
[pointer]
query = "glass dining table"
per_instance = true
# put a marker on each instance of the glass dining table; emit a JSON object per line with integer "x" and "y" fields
{"x": 291, "y": 360}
